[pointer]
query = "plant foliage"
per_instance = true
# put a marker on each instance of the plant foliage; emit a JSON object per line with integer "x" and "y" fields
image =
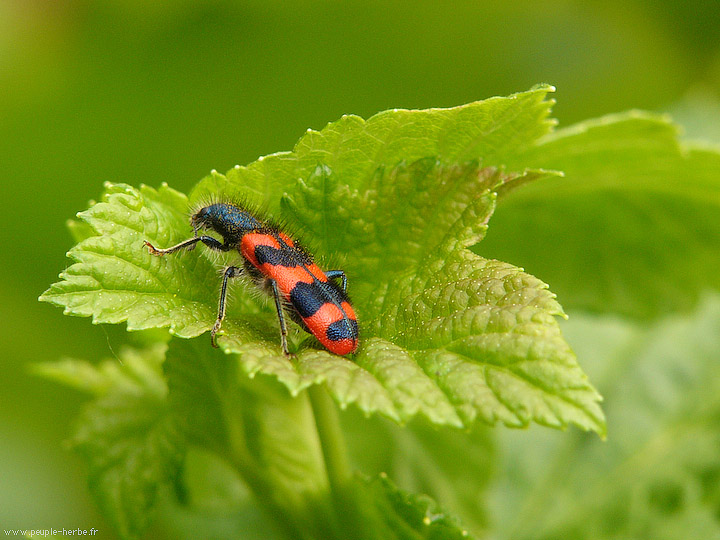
{"x": 449, "y": 338}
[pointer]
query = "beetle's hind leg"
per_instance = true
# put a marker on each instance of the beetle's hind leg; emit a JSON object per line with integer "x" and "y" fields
{"x": 281, "y": 316}
{"x": 230, "y": 272}
{"x": 334, "y": 274}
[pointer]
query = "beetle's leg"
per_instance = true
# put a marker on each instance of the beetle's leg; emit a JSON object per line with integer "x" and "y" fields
{"x": 281, "y": 317}
{"x": 189, "y": 244}
{"x": 334, "y": 274}
{"x": 230, "y": 272}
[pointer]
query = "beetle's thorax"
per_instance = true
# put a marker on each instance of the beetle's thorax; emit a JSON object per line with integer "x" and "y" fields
{"x": 229, "y": 221}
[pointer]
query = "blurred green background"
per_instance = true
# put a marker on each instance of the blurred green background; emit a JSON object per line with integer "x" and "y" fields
{"x": 151, "y": 91}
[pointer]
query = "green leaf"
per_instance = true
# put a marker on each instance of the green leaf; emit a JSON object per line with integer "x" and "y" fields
{"x": 452, "y": 466}
{"x": 406, "y": 516}
{"x": 266, "y": 435}
{"x": 395, "y": 201}
{"x": 271, "y": 441}
{"x": 219, "y": 408}
{"x": 217, "y": 504}
{"x": 656, "y": 476}
{"x": 632, "y": 228}
{"x": 449, "y": 335}
{"x": 131, "y": 445}
{"x": 494, "y": 130}
{"x": 116, "y": 280}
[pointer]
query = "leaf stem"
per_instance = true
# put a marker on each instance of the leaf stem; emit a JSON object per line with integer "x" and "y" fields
{"x": 244, "y": 463}
{"x": 337, "y": 465}
{"x": 331, "y": 438}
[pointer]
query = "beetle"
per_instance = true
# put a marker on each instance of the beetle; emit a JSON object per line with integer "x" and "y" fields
{"x": 281, "y": 267}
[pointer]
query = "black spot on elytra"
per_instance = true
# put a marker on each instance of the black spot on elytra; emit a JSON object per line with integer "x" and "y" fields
{"x": 308, "y": 298}
{"x": 342, "y": 329}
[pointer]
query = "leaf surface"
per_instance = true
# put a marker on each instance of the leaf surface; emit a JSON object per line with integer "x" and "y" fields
{"x": 656, "y": 475}
{"x": 631, "y": 228}
{"x": 395, "y": 201}
{"x": 126, "y": 435}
